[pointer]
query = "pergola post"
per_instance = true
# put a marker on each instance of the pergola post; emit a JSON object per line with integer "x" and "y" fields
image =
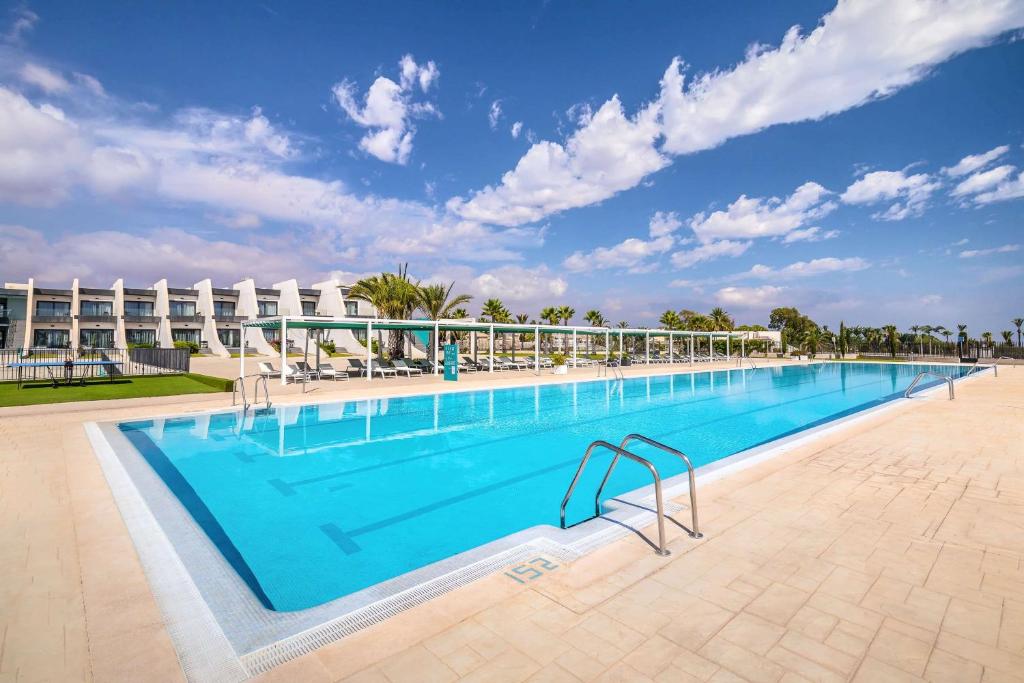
{"x": 607, "y": 346}
{"x": 671, "y": 356}
{"x": 728, "y": 351}
{"x": 536, "y": 349}
{"x": 437, "y": 334}
{"x": 369, "y": 351}
{"x": 574, "y": 347}
{"x": 472, "y": 345}
{"x": 647, "y": 348}
{"x": 620, "y": 346}
{"x": 284, "y": 350}
{"x": 711, "y": 347}
{"x": 241, "y": 354}
{"x": 691, "y": 348}
{"x": 490, "y": 350}
{"x": 743, "y": 346}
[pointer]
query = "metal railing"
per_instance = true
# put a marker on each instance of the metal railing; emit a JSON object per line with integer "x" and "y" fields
{"x": 922, "y": 375}
{"x": 603, "y": 368}
{"x": 978, "y": 367}
{"x": 238, "y": 386}
{"x": 695, "y": 532}
{"x": 129, "y": 362}
{"x": 662, "y": 550}
{"x": 749, "y": 360}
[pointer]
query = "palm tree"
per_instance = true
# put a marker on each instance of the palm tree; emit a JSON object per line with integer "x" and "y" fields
{"x": 551, "y": 316}
{"x": 493, "y": 310}
{"x": 987, "y": 338}
{"x": 1007, "y": 337}
{"x": 1018, "y": 323}
{"x": 891, "y": 338}
{"x": 961, "y": 336}
{"x": 720, "y": 319}
{"x": 622, "y": 325}
{"x": 435, "y": 303}
{"x": 927, "y": 330}
{"x": 916, "y": 329}
{"x": 566, "y": 313}
{"x": 394, "y": 296}
{"x": 670, "y": 320}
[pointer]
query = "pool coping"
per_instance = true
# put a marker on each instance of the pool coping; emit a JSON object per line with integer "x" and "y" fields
{"x": 207, "y": 653}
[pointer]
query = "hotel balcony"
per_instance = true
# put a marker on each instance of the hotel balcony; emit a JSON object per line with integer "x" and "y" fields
{"x": 142, "y": 319}
{"x": 186, "y": 318}
{"x": 97, "y": 319}
{"x": 66, "y": 318}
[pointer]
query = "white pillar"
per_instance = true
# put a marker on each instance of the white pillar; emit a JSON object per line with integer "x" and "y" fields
{"x": 437, "y": 333}
{"x": 671, "y": 355}
{"x": 691, "y": 348}
{"x": 536, "y": 349}
{"x": 284, "y": 350}
{"x": 472, "y": 345}
{"x": 574, "y": 347}
{"x": 728, "y": 348}
{"x": 241, "y": 354}
{"x": 711, "y": 348}
{"x": 607, "y": 346}
{"x": 647, "y": 348}
{"x": 369, "y": 351}
{"x": 620, "y": 346}
{"x": 490, "y": 350}
{"x": 743, "y": 346}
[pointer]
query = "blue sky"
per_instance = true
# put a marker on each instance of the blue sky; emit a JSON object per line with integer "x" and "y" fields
{"x": 860, "y": 161}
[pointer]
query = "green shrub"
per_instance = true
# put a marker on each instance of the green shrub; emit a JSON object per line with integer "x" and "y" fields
{"x": 192, "y": 347}
{"x": 558, "y": 359}
{"x": 329, "y": 346}
{"x": 216, "y": 382}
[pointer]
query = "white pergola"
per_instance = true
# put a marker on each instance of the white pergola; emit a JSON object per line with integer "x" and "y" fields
{"x": 436, "y": 327}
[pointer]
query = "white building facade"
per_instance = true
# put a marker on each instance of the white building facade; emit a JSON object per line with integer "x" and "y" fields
{"x": 203, "y": 315}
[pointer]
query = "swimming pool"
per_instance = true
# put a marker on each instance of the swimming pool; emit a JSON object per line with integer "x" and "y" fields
{"x": 310, "y": 503}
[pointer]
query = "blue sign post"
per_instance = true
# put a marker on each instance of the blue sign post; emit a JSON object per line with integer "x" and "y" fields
{"x": 451, "y": 362}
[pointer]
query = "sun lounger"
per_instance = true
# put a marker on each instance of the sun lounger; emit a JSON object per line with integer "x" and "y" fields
{"x": 401, "y": 366}
{"x": 292, "y": 373}
{"x": 328, "y": 371}
{"x": 310, "y": 371}
{"x": 267, "y": 369}
{"x": 375, "y": 368}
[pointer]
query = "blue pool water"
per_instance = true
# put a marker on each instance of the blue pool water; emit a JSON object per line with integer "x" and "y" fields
{"x": 310, "y": 503}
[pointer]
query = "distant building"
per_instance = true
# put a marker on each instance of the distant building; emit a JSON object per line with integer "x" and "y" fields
{"x": 159, "y": 316}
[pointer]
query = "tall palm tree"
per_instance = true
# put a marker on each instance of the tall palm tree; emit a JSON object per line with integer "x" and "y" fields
{"x": 891, "y": 338}
{"x": 1007, "y": 337}
{"x": 1018, "y": 323}
{"x": 720, "y": 319}
{"x": 565, "y": 313}
{"x": 927, "y": 330}
{"x": 394, "y": 296}
{"x": 987, "y": 338}
{"x": 551, "y": 316}
{"x": 436, "y": 301}
{"x": 670, "y": 320}
{"x": 961, "y": 336}
{"x": 493, "y": 310}
{"x": 916, "y": 329}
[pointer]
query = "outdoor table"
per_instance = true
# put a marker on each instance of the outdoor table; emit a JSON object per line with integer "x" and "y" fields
{"x": 89, "y": 369}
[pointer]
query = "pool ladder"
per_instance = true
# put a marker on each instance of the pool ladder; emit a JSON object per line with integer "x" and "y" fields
{"x": 922, "y": 375}
{"x": 614, "y": 366}
{"x": 621, "y": 452}
{"x": 238, "y": 387}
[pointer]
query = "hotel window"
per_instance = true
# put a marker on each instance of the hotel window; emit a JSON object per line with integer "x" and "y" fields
{"x": 97, "y": 308}
{"x": 3, "y": 307}
{"x": 140, "y": 337}
{"x": 58, "y": 308}
{"x": 142, "y": 308}
{"x": 223, "y": 309}
{"x": 230, "y": 338}
{"x": 308, "y": 308}
{"x": 96, "y": 339}
{"x": 272, "y": 335}
{"x": 351, "y": 308}
{"x": 268, "y": 309}
{"x": 191, "y": 336}
{"x": 50, "y": 339}
{"x": 183, "y": 309}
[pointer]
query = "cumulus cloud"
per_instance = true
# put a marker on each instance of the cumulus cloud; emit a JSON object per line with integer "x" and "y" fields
{"x": 47, "y": 80}
{"x": 750, "y": 297}
{"x": 631, "y": 253}
{"x": 911, "y": 193}
{"x": 388, "y": 109}
{"x": 812, "y": 234}
{"x": 974, "y": 162}
{"x": 1010, "y": 188}
{"x": 494, "y": 114}
{"x": 750, "y": 217}
{"x": 516, "y": 129}
{"x": 812, "y": 268}
{"x": 610, "y": 152}
{"x": 23, "y": 21}
{"x": 861, "y": 51}
{"x": 708, "y": 252}
{"x": 983, "y": 180}
{"x": 1005, "y": 249}
{"x": 518, "y": 284}
{"x": 664, "y": 223}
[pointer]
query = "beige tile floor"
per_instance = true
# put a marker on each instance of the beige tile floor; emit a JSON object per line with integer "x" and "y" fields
{"x": 888, "y": 550}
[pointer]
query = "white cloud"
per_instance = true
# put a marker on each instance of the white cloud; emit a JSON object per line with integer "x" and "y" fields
{"x": 47, "y": 80}
{"x": 630, "y": 253}
{"x": 801, "y": 269}
{"x": 708, "y": 252}
{"x": 983, "y": 180}
{"x": 749, "y": 297}
{"x": 860, "y": 51}
{"x": 388, "y": 109}
{"x": 750, "y": 217}
{"x": 1005, "y": 249}
{"x": 930, "y": 299}
{"x": 517, "y": 284}
{"x": 910, "y": 192}
{"x": 494, "y": 115}
{"x": 664, "y": 223}
{"x": 973, "y": 162}
{"x": 813, "y": 234}
{"x": 1008, "y": 189}
{"x": 24, "y": 21}
{"x": 610, "y": 152}
{"x": 516, "y": 129}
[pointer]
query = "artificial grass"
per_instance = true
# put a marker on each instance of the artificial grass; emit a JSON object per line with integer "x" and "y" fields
{"x": 37, "y": 393}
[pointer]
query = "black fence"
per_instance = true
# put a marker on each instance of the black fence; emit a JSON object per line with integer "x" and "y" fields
{"x": 127, "y": 362}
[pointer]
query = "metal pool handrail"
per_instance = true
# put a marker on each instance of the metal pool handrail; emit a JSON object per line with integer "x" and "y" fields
{"x": 922, "y": 375}
{"x": 662, "y": 550}
{"x": 739, "y": 363}
{"x": 239, "y": 382}
{"x": 615, "y": 367}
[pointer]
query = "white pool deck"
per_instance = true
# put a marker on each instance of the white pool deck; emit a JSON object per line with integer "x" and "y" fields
{"x": 889, "y": 548}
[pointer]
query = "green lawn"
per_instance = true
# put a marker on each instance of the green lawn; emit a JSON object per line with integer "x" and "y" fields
{"x": 35, "y": 393}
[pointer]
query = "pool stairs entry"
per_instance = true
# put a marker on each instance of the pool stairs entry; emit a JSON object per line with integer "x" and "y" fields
{"x": 621, "y": 452}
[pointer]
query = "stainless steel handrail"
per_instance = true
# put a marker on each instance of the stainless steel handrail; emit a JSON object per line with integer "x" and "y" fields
{"x": 614, "y": 365}
{"x": 925, "y": 373}
{"x": 662, "y": 550}
{"x": 739, "y": 362}
{"x": 238, "y": 385}
{"x": 978, "y": 367}
{"x": 695, "y": 533}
